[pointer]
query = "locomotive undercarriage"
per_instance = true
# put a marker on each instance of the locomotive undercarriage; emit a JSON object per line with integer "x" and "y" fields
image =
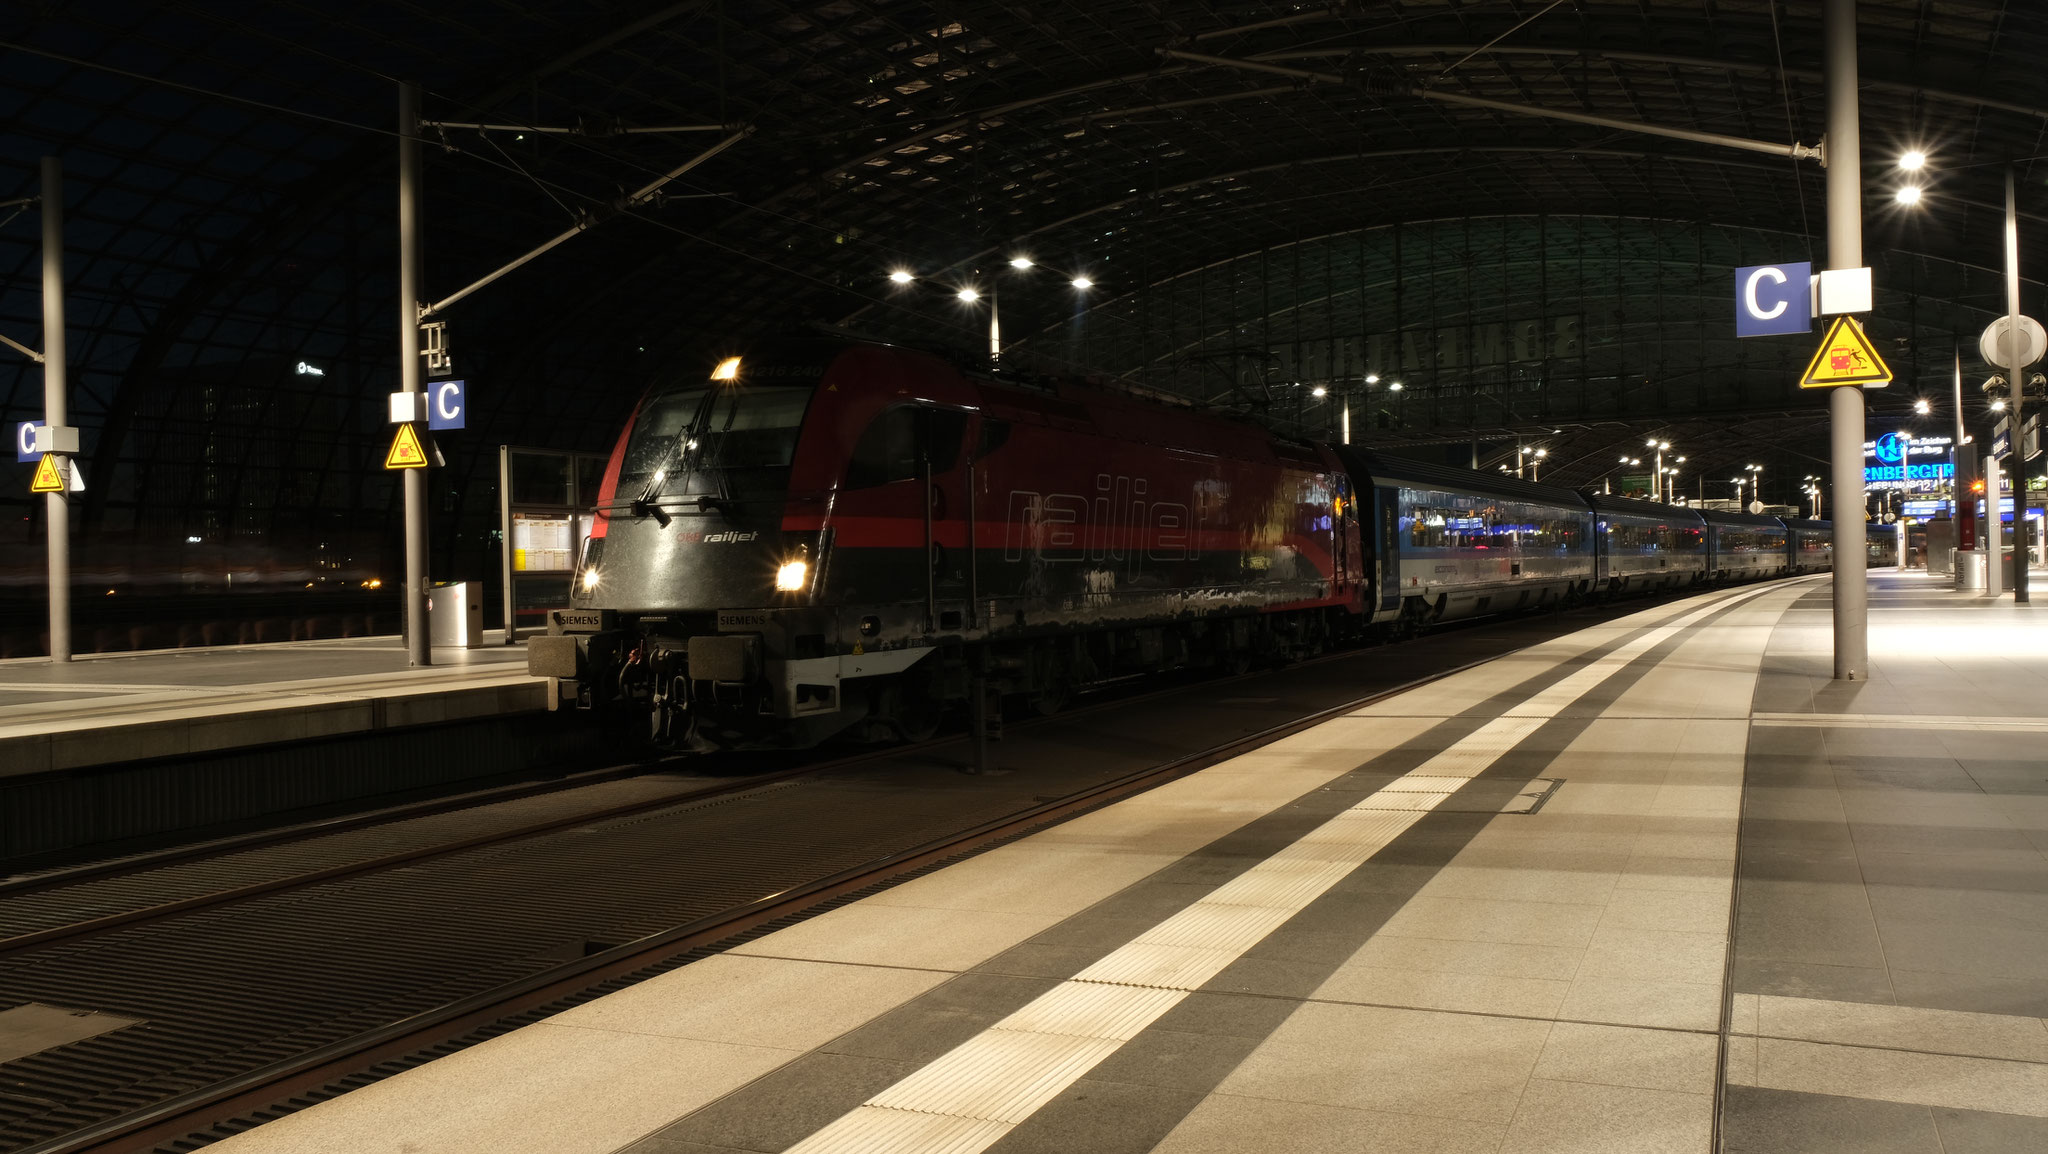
{"x": 782, "y": 686}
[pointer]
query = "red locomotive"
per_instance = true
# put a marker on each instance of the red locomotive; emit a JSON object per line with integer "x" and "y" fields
{"x": 833, "y": 535}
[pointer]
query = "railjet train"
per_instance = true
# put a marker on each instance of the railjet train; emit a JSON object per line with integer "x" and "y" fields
{"x": 834, "y": 537}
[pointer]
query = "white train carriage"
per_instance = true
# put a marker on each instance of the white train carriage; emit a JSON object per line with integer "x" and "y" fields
{"x": 1810, "y": 547}
{"x": 1746, "y": 546}
{"x": 1642, "y": 546}
{"x": 1454, "y": 543}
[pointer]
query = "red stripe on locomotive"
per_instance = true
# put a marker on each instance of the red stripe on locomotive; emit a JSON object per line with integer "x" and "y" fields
{"x": 608, "y": 488}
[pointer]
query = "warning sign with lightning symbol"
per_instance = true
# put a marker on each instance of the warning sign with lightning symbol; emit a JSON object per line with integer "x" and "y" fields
{"x": 1845, "y": 357}
{"x": 405, "y": 451}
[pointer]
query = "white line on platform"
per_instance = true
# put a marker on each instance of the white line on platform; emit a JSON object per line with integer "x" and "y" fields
{"x": 1897, "y": 721}
{"x": 83, "y": 688}
{"x": 970, "y": 1097}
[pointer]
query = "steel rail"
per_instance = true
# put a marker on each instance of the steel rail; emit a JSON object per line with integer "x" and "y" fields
{"x": 33, "y": 880}
{"x": 127, "y": 866}
{"x": 141, "y": 864}
{"x": 193, "y": 1111}
{"x": 684, "y": 795}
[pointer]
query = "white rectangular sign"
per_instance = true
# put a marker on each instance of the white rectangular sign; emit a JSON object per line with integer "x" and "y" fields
{"x": 541, "y": 544}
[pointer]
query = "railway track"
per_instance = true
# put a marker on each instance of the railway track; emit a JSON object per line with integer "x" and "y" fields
{"x": 315, "y": 964}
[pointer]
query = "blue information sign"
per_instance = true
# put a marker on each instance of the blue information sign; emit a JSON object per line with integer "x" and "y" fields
{"x": 446, "y": 405}
{"x": 25, "y": 442}
{"x": 1773, "y": 299}
{"x": 1935, "y": 471}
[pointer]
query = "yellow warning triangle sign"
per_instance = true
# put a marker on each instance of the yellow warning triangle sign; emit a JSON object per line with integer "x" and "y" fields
{"x": 405, "y": 451}
{"x": 1845, "y": 357}
{"x": 49, "y": 478}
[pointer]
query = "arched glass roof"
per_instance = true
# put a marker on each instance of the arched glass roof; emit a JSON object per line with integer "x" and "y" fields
{"x": 1263, "y": 194}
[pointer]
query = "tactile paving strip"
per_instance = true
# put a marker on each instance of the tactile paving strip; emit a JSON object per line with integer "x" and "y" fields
{"x": 1007, "y": 1072}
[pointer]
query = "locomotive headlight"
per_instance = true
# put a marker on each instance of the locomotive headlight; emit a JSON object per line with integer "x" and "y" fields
{"x": 793, "y": 576}
{"x": 589, "y": 580}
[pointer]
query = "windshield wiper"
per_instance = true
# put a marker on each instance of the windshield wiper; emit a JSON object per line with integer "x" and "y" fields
{"x": 684, "y": 445}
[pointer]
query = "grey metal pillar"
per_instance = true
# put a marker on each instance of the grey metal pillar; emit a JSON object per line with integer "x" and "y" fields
{"x": 1845, "y": 402}
{"x": 1962, "y": 503}
{"x": 418, "y": 642}
{"x": 56, "y": 506}
{"x": 1958, "y": 480}
{"x": 1956, "y": 451}
{"x": 1990, "y": 539}
{"x": 505, "y": 533}
{"x": 2015, "y": 374}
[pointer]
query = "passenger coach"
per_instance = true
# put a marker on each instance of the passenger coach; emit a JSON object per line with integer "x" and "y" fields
{"x": 1644, "y": 546}
{"x": 1455, "y": 543}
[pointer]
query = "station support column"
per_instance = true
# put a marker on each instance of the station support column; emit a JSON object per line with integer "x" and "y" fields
{"x": 418, "y": 643}
{"x": 2016, "y": 383}
{"x": 1962, "y": 509}
{"x": 56, "y": 411}
{"x": 1845, "y": 402}
{"x": 1990, "y": 538}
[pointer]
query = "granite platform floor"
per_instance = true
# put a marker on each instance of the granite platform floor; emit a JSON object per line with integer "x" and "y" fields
{"x": 1890, "y": 964}
{"x": 1527, "y": 907}
{"x": 116, "y": 707}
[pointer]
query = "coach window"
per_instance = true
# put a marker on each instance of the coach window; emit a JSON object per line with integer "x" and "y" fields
{"x": 1425, "y": 527}
{"x": 898, "y": 441}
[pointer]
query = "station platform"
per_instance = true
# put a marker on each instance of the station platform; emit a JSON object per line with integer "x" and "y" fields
{"x": 102, "y": 709}
{"x": 1658, "y": 885}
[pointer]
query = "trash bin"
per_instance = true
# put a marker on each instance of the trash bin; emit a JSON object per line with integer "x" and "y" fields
{"x": 455, "y": 614}
{"x": 1969, "y": 570}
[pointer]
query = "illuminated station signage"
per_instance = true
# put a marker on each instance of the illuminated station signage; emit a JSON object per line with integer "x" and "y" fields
{"x": 1908, "y": 464}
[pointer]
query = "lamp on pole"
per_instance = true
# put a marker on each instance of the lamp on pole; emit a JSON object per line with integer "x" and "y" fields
{"x": 1659, "y": 446}
{"x": 2012, "y": 348}
{"x": 1322, "y": 393}
{"x": 1371, "y": 379}
{"x": 1756, "y": 486}
{"x": 1536, "y": 465}
{"x": 970, "y": 294}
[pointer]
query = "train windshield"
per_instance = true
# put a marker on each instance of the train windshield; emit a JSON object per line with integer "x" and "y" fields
{"x": 709, "y": 440}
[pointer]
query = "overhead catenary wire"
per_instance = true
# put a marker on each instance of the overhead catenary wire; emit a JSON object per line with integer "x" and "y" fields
{"x": 1526, "y": 21}
{"x": 374, "y": 130}
{"x": 1791, "y": 129}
